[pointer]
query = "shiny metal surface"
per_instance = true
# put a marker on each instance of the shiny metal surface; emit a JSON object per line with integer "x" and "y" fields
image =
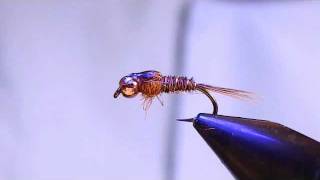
{"x": 258, "y": 149}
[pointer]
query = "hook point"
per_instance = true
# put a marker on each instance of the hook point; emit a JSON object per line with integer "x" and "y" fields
{"x": 186, "y": 120}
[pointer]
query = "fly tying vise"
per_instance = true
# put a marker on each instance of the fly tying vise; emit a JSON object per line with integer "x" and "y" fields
{"x": 152, "y": 83}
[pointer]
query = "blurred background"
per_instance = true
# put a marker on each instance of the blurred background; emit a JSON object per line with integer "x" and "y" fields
{"x": 60, "y": 63}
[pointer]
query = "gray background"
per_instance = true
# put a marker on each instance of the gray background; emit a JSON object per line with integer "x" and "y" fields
{"x": 60, "y": 62}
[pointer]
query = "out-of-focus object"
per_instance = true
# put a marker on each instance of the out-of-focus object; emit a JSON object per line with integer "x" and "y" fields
{"x": 257, "y": 149}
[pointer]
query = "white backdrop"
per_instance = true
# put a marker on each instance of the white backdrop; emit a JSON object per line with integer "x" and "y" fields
{"x": 60, "y": 63}
{"x": 270, "y": 48}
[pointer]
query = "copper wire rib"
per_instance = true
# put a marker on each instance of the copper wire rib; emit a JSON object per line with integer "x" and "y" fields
{"x": 181, "y": 83}
{"x": 152, "y": 83}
